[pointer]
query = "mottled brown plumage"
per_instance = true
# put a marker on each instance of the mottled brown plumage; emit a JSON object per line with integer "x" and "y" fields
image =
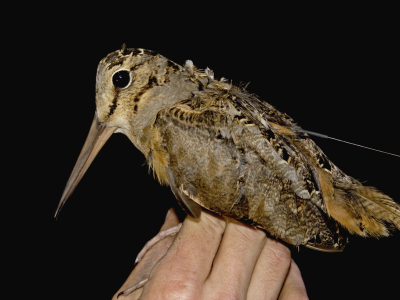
{"x": 222, "y": 148}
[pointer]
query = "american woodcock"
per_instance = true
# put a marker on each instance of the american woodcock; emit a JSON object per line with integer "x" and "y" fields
{"x": 222, "y": 148}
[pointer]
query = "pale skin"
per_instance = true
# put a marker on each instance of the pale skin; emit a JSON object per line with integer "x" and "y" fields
{"x": 212, "y": 258}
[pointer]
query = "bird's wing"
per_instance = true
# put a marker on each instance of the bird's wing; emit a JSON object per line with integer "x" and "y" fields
{"x": 239, "y": 157}
{"x": 222, "y": 160}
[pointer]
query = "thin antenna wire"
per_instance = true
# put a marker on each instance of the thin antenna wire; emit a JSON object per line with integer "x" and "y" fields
{"x": 328, "y": 137}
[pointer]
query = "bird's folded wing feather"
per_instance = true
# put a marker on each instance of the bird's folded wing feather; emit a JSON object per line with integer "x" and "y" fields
{"x": 231, "y": 160}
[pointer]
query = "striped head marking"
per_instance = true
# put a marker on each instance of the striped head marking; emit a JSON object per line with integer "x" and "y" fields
{"x": 133, "y": 85}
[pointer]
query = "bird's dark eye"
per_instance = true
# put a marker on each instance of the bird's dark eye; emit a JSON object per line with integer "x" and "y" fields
{"x": 121, "y": 79}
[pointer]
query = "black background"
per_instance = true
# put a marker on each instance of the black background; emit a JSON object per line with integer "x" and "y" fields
{"x": 339, "y": 78}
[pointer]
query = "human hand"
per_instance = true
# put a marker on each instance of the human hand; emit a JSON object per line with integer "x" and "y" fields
{"x": 211, "y": 258}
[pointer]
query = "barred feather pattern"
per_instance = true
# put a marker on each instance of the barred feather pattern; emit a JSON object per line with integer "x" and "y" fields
{"x": 222, "y": 148}
{"x": 272, "y": 178}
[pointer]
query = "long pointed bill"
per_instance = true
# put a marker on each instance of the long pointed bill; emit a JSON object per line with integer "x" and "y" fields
{"x": 98, "y": 135}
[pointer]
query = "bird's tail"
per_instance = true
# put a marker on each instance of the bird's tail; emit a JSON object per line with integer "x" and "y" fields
{"x": 360, "y": 209}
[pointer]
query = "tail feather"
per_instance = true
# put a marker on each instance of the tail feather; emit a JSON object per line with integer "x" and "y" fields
{"x": 373, "y": 209}
{"x": 381, "y": 199}
{"x": 360, "y": 209}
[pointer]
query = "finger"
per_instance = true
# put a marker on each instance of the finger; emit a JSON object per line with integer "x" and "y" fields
{"x": 270, "y": 271}
{"x": 152, "y": 256}
{"x": 183, "y": 270}
{"x": 293, "y": 287}
{"x": 234, "y": 263}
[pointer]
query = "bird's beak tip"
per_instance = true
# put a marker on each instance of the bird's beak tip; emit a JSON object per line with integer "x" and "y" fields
{"x": 59, "y": 207}
{"x": 98, "y": 135}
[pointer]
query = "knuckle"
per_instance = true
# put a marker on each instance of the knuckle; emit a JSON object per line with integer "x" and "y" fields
{"x": 173, "y": 286}
{"x": 178, "y": 293}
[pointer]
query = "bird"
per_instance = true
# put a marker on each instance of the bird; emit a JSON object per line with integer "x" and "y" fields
{"x": 223, "y": 149}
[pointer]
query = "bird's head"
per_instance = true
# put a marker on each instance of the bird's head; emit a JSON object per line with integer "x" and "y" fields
{"x": 132, "y": 86}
